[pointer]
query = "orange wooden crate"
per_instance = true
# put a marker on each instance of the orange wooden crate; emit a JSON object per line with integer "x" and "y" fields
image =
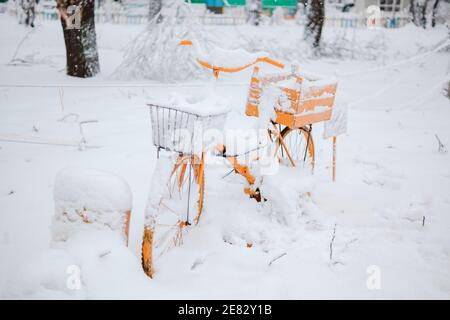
{"x": 310, "y": 104}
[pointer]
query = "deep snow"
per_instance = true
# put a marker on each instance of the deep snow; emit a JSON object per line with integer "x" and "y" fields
{"x": 389, "y": 176}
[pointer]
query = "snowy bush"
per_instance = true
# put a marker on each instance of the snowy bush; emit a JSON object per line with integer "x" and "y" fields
{"x": 87, "y": 198}
{"x": 337, "y": 43}
{"x": 155, "y": 54}
{"x": 277, "y": 16}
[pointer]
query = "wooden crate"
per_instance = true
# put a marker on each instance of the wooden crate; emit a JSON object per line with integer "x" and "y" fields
{"x": 310, "y": 100}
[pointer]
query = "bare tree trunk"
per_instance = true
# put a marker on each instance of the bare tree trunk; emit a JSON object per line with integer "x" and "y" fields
{"x": 254, "y": 10}
{"x": 413, "y": 11}
{"x": 424, "y": 14}
{"x": 433, "y": 16}
{"x": 315, "y": 20}
{"x": 78, "y": 23}
{"x": 154, "y": 8}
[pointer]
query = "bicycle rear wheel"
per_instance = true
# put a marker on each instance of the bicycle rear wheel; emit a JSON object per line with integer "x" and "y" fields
{"x": 297, "y": 144}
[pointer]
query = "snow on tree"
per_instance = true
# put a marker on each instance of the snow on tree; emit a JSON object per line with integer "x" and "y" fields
{"x": 419, "y": 12}
{"x": 254, "y": 11}
{"x": 78, "y": 23}
{"x": 277, "y": 16}
{"x": 413, "y": 12}
{"x": 423, "y": 12}
{"x": 110, "y": 8}
{"x": 314, "y": 24}
{"x": 154, "y": 8}
{"x": 155, "y": 53}
{"x": 434, "y": 13}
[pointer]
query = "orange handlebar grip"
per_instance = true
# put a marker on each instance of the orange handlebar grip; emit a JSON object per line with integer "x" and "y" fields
{"x": 185, "y": 43}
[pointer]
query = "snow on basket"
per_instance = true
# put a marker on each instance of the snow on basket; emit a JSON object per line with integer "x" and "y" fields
{"x": 180, "y": 123}
{"x": 88, "y": 198}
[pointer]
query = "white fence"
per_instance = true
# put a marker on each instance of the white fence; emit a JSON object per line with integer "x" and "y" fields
{"x": 390, "y": 21}
{"x": 3, "y": 7}
{"x": 231, "y": 16}
{"x": 222, "y": 19}
{"x": 46, "y": 14}
{"x": 120, "y": 17}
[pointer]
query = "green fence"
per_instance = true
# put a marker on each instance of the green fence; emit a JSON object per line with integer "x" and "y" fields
{"x": 230, "y": 2}
{"x": 279, "y": 3}
{"x": 266, "y": 3}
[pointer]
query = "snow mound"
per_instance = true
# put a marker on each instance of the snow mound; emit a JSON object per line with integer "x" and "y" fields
{"x": 287, "y": 200}
{"x": 86, "y": 266}
{"x": 86, "y": 198}
{"x": 276, "y": 223}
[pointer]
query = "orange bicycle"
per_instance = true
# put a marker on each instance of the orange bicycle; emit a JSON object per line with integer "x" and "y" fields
{"x": 178, "y": 186}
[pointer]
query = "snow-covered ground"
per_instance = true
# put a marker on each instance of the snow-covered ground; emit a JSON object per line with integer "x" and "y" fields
{"x": 390, "y": 175}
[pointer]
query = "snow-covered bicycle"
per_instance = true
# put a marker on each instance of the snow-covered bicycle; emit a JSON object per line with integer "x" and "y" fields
{"x": 288, "y": 103}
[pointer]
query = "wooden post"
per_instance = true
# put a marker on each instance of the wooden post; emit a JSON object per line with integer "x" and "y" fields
{"x": 127, "y": 226}
{"x": 334, "y": 158}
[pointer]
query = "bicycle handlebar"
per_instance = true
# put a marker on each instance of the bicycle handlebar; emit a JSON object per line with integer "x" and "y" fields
{"x": 273, "y": 62}
{"x": 268, "y": 60}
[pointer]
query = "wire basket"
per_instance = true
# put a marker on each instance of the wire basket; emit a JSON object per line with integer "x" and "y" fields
{"x": 182, "y": 131}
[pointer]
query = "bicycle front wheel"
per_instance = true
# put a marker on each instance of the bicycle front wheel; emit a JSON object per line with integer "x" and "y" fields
{"x": 178, "y": 208}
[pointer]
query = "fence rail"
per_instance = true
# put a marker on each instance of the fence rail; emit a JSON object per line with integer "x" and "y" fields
{"x": 220, "y": 19}
{"x": 395, "y": 21}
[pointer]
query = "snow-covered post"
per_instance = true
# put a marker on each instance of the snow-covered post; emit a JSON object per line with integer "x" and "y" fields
{"x": 78, "y": 23}
{"x": 334, "y": 158}
{"x": 336, "y": 126}
{"x": 315, "y": 21}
